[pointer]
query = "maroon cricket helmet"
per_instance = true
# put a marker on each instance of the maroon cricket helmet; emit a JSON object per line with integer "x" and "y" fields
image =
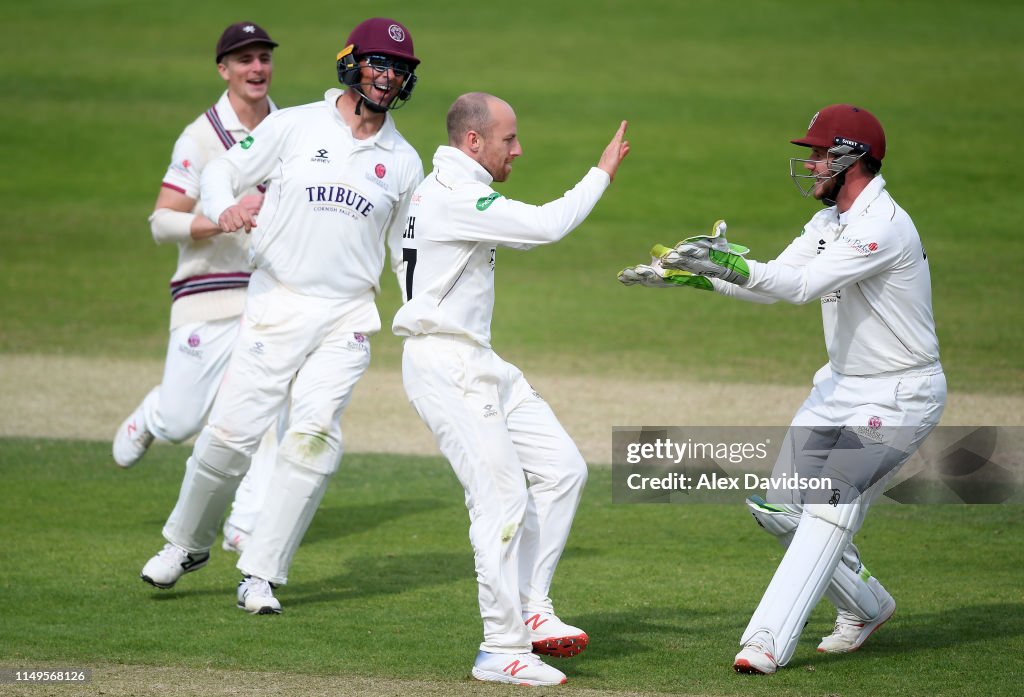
{"x": 845, "y": 124}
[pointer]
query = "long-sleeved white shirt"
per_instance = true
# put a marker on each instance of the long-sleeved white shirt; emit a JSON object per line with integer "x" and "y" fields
{"x": 456, "y": 223}
{"x": 870, "y": 271}
{"x": 332, "y": 201}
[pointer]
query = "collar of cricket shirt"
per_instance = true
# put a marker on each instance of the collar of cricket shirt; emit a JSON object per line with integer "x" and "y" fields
{"x": 872, "y": 191}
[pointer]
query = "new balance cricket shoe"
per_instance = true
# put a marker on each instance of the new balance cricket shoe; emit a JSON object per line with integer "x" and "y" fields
{"x": 256, "y": 596}
{"x": 851, "y": 631}
{"x": 132, "y": 439}
{"x": 553, "y": 637}
{"x": 516, "y": 669}
{"x": 171, "y": 563}
{"x": 235, "y": 539}
{"x": 756, "y": 658}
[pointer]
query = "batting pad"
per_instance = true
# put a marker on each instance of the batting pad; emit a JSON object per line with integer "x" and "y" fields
{"x": 205, "y": 496}
{"x": 297, "y": 492}
{"x": 777, "y": 519}
{"x": 851, "y": 588}
{"x": 803, "y": 575}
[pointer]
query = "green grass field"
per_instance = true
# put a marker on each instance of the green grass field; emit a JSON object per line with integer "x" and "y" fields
{"x": 713, "y": 91}
{"x": 383, "y": 585}
{"x": 95, "y": 93}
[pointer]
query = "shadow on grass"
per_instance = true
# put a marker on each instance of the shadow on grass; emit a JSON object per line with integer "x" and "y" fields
{"x": 334, "y": 522}
{"x": 387, "y": 574}
{"x": 949, "y": 627}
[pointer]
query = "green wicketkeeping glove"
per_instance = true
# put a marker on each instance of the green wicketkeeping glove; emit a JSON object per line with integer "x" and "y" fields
{"x": 710, "y": 255}
{"x": 654, "y": 276}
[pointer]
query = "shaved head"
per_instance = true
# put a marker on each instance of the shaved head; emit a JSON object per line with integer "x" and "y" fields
{"x": 470, "y": 112}
{"x": 484, "y": 128}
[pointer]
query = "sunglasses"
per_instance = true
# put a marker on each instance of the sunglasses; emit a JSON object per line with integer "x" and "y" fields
{"x": 382, "y": 64}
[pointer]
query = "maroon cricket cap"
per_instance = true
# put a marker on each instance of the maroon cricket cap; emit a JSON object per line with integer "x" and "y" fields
{"x": 242, "y": 34}
{"x": 384, "y": 36}
{"x": 850, "y": 125}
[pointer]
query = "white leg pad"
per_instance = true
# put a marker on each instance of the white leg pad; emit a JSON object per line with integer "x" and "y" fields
{"x": 854, "y": 589}
{"x": 778, "y": 519}
{"x": 211, "y": 476}
{"x": 806, "y": 569}
{"x": 296, "y": 489}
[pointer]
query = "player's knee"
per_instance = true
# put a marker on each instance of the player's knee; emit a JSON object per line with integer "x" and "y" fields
{"x": 318, "y": 452}
{"x": 845, "y": 516}
{"x": 214, "y": 453}
{"x": 180, "y": 427}
{"x": 574, "y": 472}
{"x": 779, "y": 520}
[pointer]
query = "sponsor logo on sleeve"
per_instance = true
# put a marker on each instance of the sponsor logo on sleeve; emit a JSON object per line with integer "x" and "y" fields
{"x": 865, "y": 248}
{"x": 484, "y": 203}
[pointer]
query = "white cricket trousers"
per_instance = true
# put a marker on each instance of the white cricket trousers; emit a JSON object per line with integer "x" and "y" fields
{"x": 318, "y": 346}
{"x": 197, "y": 356}
{"x": 522, "y": 474}
{"x": 175, "y": 410}
{"x": 858, "y": 432}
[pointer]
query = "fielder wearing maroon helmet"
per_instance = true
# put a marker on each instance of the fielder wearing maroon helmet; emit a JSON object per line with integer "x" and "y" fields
{"x": 385, "y": 45}
{"x": 339, "y": 184}
{"x": 871, "y": 406}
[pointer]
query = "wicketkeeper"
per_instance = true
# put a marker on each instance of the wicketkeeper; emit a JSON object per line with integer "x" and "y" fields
{"x": 879, "y": 396}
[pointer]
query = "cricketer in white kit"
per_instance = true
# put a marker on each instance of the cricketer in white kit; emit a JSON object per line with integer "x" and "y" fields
{"x": 880, "y": 395}
{"x": 522, "y": 473}
{"x": 209, "y": 284}
{"x": 340, "y": 181}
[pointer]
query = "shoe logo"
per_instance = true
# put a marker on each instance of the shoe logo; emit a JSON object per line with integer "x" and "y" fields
{"x": 535, "y": 622}
{"x": 513, "y": 667}
{"x": 132, "y": 429}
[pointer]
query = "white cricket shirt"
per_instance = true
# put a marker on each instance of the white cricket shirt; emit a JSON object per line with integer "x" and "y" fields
{"x": 456, "y": 223}
{"x": 870, "y": 271}
{"x": 332, "y": 200}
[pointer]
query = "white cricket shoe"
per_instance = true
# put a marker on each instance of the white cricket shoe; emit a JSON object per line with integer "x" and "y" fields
{"x": 171, "y": 563}
{"x": 756, "y": 658}
{"x": 235, "y": 539}
{"x": 516, "y": 669}
{"x": 132, "y": 439}
{"x": 852, "y": 631}
{"x": 256, "y": 596}
{"x": 553, "y": 637}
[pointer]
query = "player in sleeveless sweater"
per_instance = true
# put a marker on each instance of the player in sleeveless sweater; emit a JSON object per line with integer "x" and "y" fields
{"x": 208, "y": 287}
